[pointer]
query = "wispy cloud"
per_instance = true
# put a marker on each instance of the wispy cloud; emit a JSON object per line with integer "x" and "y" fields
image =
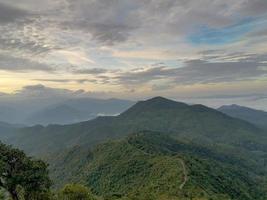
{"x": 10, "y": 14}
{"x": 17, "y": 64}
{"x": 243, "y": 67}
{"x": 113, "y": 44}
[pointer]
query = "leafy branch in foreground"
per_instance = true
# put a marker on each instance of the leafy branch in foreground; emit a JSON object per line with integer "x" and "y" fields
{"x": 22, "y": 175}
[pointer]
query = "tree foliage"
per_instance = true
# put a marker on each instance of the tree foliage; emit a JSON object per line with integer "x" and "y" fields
{"x": 75, "y": 192}
{"x": 22, "y": 174}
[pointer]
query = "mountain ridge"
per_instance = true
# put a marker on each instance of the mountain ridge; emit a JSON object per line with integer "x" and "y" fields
{"x": 153, "y": 164}
{"x": 33, "y": 111}
{"x": 193, "y": 122}
{"x": 254, "y": 116}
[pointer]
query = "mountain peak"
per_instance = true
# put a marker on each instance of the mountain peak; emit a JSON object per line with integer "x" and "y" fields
{"x": 159, "y": 99}
{"x": 162, "y": 101}
{"x": 154, "y": 104}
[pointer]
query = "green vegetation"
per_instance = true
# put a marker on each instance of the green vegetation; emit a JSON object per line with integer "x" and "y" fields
{"x": 256, "y": 117}
{"x": 21, "y": 175}
{"x": 179, "y": 152}
{"x": 75, "y": 192}
{"x": 143, "y": 166}
{"x": 3, "y": 195}
{"x": 22, "y": 178}
{"x": 197, "y": 123}
{"x": 155, "y": 166}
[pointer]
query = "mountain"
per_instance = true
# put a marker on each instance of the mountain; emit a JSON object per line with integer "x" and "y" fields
{"x": 7, "y": 130}
{"x": 200, "y": 153}
{"x": 257, "y": 117}
{"x": 78, "y": 110}
{"x": 100, "y": 106}
{"x": 6, "y": 126}
{"x": 191, "y": 122}
{"x": 59, "y": 111}
{"x": 150, "y": 165}
{"x": 59, "y": 114}
{"x": 15, "y": 111}
{"x": 8, "y": 114}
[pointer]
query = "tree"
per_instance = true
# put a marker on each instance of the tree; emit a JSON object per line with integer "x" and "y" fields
{"x": 75, "y": 192}
{"x": 19, "y": 171}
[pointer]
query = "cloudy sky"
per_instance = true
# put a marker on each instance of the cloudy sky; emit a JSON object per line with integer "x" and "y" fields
{"x": 208, "y": 50}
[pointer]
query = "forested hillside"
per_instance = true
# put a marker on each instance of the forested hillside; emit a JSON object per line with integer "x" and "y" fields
{"x": 196, "y": 123}
{"x": 157, "y": 149}
{"x": 257, "y": 117}
{"x": 154, "y": 166}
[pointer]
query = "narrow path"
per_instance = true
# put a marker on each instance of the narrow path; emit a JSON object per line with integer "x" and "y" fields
{"x": 185, "y": 174}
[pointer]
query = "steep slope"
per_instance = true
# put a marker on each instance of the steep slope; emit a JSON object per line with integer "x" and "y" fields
{"x": 257, "y": 117}
{"x": 154, "y": 166}
{"x": 196, "y": 123}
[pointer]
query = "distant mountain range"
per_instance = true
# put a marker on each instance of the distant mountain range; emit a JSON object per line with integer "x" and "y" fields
{"x": 7, "y": 130}
{"x": 59, "y": 114}
{"x": 64, "y": 112}
{"x": 192, "y": 122}
{"x": 256, "y": 117}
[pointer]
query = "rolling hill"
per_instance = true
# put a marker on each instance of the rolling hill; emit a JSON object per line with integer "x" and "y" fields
{"x": 191, "y": 122}
{"x": 180, "y": 151}
{"x": 256, "y": 117}
{"x": 151, "y": 165}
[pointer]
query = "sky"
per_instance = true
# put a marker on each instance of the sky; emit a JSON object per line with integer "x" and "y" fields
{"x": 209, "y": 51}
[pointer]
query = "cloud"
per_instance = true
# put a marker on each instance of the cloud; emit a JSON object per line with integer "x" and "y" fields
{"x": 108, "y": 22}
{"x": 3, "y": 94}
{"x": 117, "y": 21}
{"x": 10, "y": 14}
{"x": 201, "y": 71}
{"x": 259, "y": 33}
{"x": 86, "y": 24}
{"x": 234, "y": 96}
{"x": 256, "y": 7}
{"x": 55, "y": 80}
{"x": 93, "y": 71}
{"x": 16, "y": 64}
{"x": 41, "y": 91}
{"x": 248, "y": 67}
{"x": 113, "y": 43}
{"x": 143, "y": 75}
{"x": 81, "y": 81}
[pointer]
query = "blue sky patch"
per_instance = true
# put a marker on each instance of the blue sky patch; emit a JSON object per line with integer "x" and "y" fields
{"x": 207, "y": 35}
